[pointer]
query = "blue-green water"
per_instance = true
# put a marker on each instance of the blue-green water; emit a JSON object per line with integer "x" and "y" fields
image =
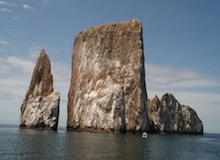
{"x": 24, "y": 144}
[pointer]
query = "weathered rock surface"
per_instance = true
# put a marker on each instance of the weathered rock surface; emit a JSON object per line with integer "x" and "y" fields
{"x": 168, "y": 115}
{"x": 40, "y": 108}
{"x": 107, "y": 90}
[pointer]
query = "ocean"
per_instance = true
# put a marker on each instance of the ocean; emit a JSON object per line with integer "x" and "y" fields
{"x": 22, "y": 144}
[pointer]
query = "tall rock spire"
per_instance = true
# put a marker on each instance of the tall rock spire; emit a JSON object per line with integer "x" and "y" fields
{"x": 42, "y": 79}
{"x": 40, "y": 108}
{"x": 107, "y": 90}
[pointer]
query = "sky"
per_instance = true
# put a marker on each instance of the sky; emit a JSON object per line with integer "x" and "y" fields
{"x": 181, "y": 48}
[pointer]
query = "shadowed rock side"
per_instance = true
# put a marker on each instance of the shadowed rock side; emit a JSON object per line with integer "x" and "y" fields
{"x": 167, "y": 115}
{"x": 40, "y": 108}
{"x": 107, "y": 90}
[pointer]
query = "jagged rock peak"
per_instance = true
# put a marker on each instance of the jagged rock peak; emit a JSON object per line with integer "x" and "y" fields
{"x": 42, "y": 79}
{"x": 168, "y": 115}
{"x": 155, "y": 99}
{"x": 107, "y": 89}
{"x": 154, "y": 103}
{"x": 40, "y": 108}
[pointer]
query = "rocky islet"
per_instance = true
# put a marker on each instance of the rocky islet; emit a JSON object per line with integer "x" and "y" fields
{"x": 40, "y": 108}
{"x": 169, "y": 116}
{"x": 107, "y": 90}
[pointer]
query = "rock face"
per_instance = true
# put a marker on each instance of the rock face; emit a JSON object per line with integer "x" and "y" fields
{"x": 40, "y": 108}
{"x": 107, "y": 90}
{"x": 168, "y": 115}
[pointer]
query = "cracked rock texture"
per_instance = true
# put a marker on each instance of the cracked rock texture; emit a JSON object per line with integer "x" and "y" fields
{"x": 168, "y": 115}
{"x": 107, "y": 90}
{"x": 40, "y": 108}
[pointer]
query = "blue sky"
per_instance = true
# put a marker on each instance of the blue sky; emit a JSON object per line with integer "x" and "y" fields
{"x": 181, "y": 47}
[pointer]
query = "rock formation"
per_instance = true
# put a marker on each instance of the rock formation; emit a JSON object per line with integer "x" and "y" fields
{"x": 40, "y": 108}
{"x": 107, "y": 90}
{"x": 168, "y": 115}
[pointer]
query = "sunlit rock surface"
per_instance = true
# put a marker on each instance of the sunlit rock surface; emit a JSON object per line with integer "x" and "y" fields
{"x": 107, "y": 90}
{"x": 168, "y": 115}
{"x": 40, "y": 108}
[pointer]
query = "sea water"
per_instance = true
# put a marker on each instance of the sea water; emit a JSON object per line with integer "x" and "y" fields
{"x": 21, "y": 144}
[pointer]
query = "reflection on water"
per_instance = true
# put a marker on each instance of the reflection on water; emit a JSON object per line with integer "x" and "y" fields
{"x": 35, "y": 144}
{"x": 102, "y": 146}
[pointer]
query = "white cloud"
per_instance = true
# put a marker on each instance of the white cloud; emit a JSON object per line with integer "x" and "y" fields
{"x": 166, "y": 77}
{"x": 2, "y": 42}
{"x": 23, "y": 65}
{"x": 6, "y": 3}
{"x": 15, "y": 18}
{"x": 15, "y": 75}
{"x": 26, "y": 6}
{"x": 3, "y": 3}
{"x": 13, "y": 81}
{"x": 5, "y": 10}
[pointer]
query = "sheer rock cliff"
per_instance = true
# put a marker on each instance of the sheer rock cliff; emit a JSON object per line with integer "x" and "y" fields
{"x": 40, "y": 108}
{"x": 169, "y": 116}
{"x": 107, "y": 90}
